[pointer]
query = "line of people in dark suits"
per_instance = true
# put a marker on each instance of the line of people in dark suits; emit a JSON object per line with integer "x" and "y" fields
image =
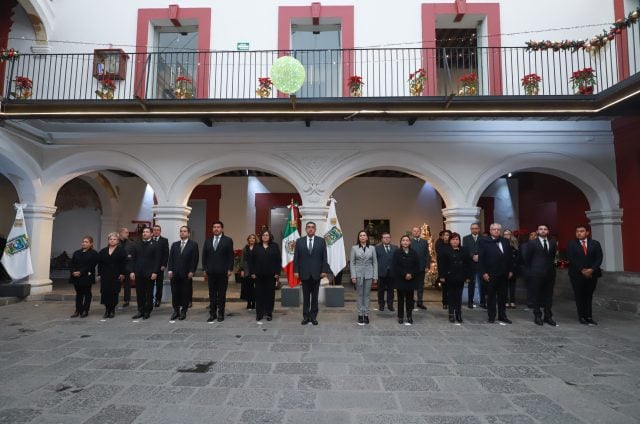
{"x": 486, "y": 261}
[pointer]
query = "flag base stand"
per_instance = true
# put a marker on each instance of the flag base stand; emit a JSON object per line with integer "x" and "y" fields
{"x": 290, "y": 296}
{"x": 20, "y": 290}
{"x": 334, "y": 296}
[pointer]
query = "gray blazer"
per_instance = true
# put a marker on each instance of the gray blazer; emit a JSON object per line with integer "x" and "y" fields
{"x": 364, "y": 263}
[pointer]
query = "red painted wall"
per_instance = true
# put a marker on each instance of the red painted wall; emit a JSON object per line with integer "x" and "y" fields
{"x": 627, "y": 148}
{"x": 212, "y": 194}
{"x": 545, "y": 199}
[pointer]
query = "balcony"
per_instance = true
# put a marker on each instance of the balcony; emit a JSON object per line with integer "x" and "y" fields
{"x": 222, "y": 85}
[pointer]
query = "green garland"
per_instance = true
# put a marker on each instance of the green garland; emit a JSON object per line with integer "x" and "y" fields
{"x": 594, "y": 44}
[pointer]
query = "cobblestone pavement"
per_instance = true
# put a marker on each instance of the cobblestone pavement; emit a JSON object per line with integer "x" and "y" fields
{"x": 54, "y": 369}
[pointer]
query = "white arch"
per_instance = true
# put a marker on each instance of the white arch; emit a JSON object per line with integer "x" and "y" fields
{"x": 196, "y": 173}
{"x": 78, "y": 164}
{"x": 411, "y": 163}
{"x": 21, "y": 170}
{"x": 600, "y": 191}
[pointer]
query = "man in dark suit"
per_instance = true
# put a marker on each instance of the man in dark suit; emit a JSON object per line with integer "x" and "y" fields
{"x": 145, "y": 269}
{"x": 217, "y": 262}
{"x": 163, "y": 246}
{"x": 128, "y": 246}
{"x": 182, "y": 264}
{"x": 384, "y": 254}
{"x": 472, "y": 243}
{"x": 496, "y": 267}
{"x": 422, "y": 249}
{"x": 539, "y": 263}
{"x": 585, "y": 259}
{"x": 310, "y": 265}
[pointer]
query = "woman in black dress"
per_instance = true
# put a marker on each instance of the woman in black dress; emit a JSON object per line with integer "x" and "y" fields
{"x": 406, "y": 266}
{"x": 83, "y": 268}
{"x": 511, "y": 282}
{"x": 442, "y": 244}
{"x": 247, "y": 289}
{"x": 265, "y": 264}
{"x": 455, "y": 270}
{"x": 112, "y": 268}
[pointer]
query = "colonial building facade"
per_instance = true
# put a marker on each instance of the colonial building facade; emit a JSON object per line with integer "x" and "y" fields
{"x": 106, "y": 111}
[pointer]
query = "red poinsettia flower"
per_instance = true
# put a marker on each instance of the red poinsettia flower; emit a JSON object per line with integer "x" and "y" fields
{"x": 265, "y": 82}
{"x": 23, "y": 83}
{"x": 184, "y": 79}
{"x": 468, "y": 79}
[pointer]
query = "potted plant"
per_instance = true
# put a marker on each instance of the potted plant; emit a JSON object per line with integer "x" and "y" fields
{"x": 264, "y": 87}
{"x": 23, "y": 87}
{"x": 469, "y": 84}
{"x": 108, "y": 89}
{"x": 184, "y": 87}
{"x": 10, "y": 54}
{"x": 531, "y": 84}
{"x": 583, "y": 80}
{"x": 416, "y": 82}
{"x": 355, "y": 85}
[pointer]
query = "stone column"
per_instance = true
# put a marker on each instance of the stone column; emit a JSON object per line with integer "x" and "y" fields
{"x": 606, "y": 227}
{"x": 170, "y": 218}
{"x": 459, "y": 219}
{"x": 39, "y": 222}
{"x": 316, "y": 213}
{"x": 109, "y": 224}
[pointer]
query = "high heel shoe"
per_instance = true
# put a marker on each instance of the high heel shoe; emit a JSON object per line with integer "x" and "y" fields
{"x": 459, "y": 318}
{"x": 451, "y": 318}
{"x": 76, "y": 314}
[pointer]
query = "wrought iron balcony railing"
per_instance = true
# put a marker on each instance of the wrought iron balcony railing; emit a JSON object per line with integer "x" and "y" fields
{"x": 219, "y": 75}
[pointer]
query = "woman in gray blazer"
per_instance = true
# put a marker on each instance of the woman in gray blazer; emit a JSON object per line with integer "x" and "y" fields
{"x": 364, "y": 271}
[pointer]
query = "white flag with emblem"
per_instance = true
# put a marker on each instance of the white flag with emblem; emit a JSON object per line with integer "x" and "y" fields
{"x": 16, "y": 256}
{"x": 336, "y": 255}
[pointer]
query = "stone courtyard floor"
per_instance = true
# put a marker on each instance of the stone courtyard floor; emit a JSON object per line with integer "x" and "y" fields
{"x": 54, "y": 369}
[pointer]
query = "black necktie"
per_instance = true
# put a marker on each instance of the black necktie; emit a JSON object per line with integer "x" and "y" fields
{"x": 546, "y": 247}
{"x": 387, "y": 249}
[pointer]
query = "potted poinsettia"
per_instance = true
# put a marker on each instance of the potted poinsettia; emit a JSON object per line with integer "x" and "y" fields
{"x": 23, "y": 86}
{"x": 10, "y": 54}
{"x": 108, "y": 89}
{"x": 264, "y": 87}
{"x": 184, "y": 87}
{"x": 469, "y": 84}
{"x": 355, "y": 84}
{"x": 416, "y": 82}
{"x": 531, "y": 84}
{"x": 583, "y": 80}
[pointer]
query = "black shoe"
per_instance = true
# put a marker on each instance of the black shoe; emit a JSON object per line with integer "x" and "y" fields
{"x": 505, "y": 320}
{"x": 381, "y": 308}
{"x": 183, "y": 315}
{"x": 76, "y": 314}
{"x": 84, "y": 314}
{"x": 459, "y": 318}
{"x": 314, "y": 322}
{"x": 211, "y": 318}
{"x": 400, "y": 320}
{"x": 591, "y": 321}
{"x": 259, "y": 319}
{"x": 360, "y": 320}
{"x": 305, "y": 321}
{"x": 470, "y": 305}
{"x": 220, "y": 318}
{"x": 452, "y": 318}
{"x": 174, "y": 316}
{"x": 366, "y": 319}
{"x": 445, "y": 306}
{"x": 421, "y": 306}
{"x": 137, "y": 316}
{"x": 550, "y": 321}
{"x": 390, "y": 308}
{"x": 156, "y": 304}
{"x": 146, "y": 316}
{"x": 538, "y": 320}
{"x": 106, "y": 315}
{"x": 125, "y": 304}
{"x": 483, "y": 305}
{"x": 583, "y": 321}
{"x": 410, "y": 320}
{"x": 492, "y": 320}
{"x": 112, "y": 314}
{"x": 269, "y": 317}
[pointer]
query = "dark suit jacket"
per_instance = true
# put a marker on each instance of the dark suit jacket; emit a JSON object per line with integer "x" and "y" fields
{"x": 403, "y": 264}
{"x": 473, "y": 247}
{"x": 579, "y": 261}
{"x": 421, "y": 247}
{"x": 181, "y": 264}
{"x": 163, "y": 246}
{"x": 455, "y": 265}
{"x": 219, "y": 261}
{"x": 263, "y": 262}
{"x": 146, "y": 259}
{"x": 492, "y": 260}
{"x": 538, "y": 263}
{"x": 310, "y": 265}
{"x": 85, "y": 263}
{"x": 128, "y": 247}
{"x": 385, "y": 260}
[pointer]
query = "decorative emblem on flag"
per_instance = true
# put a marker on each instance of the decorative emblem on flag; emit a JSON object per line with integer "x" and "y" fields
{"x": 17, "y": 245}
{"x": 333, "y": 235}
{"x": 291, "y": 247}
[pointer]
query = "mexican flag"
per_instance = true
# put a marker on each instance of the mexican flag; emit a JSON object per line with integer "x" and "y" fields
{"x": 289, "y": 237}
{"x": 16, "y": 257}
